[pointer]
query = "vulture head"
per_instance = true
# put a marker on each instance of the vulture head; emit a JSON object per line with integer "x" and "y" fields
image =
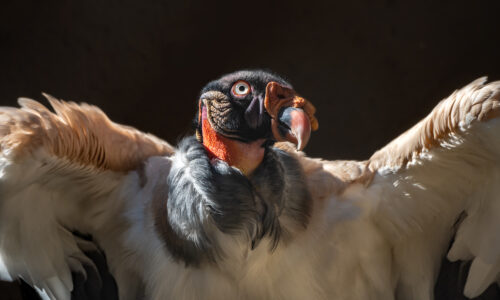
{"x": 244, "y": 187}
{"x": 243, "y": 113}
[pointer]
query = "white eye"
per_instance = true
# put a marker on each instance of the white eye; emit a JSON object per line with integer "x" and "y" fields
{"x": 241, "y": 88}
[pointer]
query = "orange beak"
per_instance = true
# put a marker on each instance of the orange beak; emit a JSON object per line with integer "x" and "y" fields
{"x": 292, "y": 116}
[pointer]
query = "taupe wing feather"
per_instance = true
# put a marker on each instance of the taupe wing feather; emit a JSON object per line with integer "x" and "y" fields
{"x": 82, "y": 134}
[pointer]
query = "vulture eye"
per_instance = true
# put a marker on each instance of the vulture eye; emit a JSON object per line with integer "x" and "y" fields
{"x": 240, "y": 89}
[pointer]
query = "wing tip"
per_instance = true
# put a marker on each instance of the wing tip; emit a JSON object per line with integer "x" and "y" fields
{"x": 478, "y": 100}
{"x": 480, "y": 81}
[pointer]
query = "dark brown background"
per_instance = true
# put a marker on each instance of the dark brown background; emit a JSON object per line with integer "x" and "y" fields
{"x": 372, "y": 68}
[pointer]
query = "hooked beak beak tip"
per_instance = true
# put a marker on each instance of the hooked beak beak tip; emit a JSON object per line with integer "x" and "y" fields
{"x": 292, "y": 116}
{"x": 299, "y": 126}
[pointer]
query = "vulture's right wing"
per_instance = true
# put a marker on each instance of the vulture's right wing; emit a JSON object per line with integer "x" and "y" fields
{"x": 60, "y": 172}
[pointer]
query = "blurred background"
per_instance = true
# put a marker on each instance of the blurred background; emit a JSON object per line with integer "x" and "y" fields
{"x": 371, "y": 68}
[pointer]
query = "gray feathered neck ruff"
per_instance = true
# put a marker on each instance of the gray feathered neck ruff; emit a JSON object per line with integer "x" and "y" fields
{"x": 208, "y": 198}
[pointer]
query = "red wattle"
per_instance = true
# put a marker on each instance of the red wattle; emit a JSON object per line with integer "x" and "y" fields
{"x": 216, "y": 145}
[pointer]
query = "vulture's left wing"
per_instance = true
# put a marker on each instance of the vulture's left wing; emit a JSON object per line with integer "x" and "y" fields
{"x": 442, "y": 177}
{"x": 61, "y": 172}
{"x": 438, "y": 182}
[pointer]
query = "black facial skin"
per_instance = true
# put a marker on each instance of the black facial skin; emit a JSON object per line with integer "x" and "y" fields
{"x": 248, "y": 121}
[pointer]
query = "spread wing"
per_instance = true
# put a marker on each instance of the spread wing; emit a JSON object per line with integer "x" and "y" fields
{"x": 59, "y": 173}
{"x": 437, "y": 182}
{"x": 444, "y": 175}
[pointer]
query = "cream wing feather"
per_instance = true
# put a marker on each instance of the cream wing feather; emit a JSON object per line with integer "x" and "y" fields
{"x": 61, "y": 172}
{"x": 437, "y": 182}
{"x": 446, "y": 171}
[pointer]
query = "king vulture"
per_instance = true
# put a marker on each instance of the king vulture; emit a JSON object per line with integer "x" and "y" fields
{"x": 230, "y": 214}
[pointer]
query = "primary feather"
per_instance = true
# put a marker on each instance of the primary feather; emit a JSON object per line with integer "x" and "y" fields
{"x": 173, "y": 226}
